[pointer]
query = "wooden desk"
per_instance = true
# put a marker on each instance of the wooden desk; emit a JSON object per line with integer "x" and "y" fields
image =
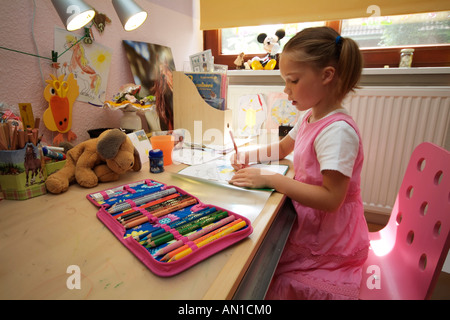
{"x": 41, "y": 237}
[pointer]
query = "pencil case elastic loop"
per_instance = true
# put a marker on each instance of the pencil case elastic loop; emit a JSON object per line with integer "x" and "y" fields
{"x": 149, "y": 182}
{"x": 198, "y": 207}
{"x": 176, "y": 234}
{"x": 192, "y": 245}
{"x": 127, "y": 188}
{"x": 131, "y": 203}
{"x": 166, "y": 227}
{"x": 151, "y": 218}
{"x": 143, "y": 211}
{"x": 104, "y": 195}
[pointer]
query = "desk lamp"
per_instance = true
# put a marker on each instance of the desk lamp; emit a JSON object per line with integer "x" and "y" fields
{"x": 75, "y": 14}
{"x": 130, "y": 14}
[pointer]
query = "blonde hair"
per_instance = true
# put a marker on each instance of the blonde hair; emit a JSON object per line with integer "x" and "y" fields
{"x": 323, "y": 47}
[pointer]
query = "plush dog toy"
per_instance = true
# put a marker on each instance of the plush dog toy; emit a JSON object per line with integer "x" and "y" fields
{"x": 96, "y": 160}
{"x": 271, "y": 46}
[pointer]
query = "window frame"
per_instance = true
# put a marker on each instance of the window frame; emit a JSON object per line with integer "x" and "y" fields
{"x": 424, "y": 55}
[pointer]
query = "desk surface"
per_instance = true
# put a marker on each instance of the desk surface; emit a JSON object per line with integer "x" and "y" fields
{"x": 41, "y": 237}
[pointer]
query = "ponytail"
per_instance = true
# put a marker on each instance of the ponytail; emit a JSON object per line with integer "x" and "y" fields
{"x": 349, "y": 66}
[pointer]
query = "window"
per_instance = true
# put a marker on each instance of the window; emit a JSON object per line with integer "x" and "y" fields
{"x": 380, "y": 39}
{"x": 403, "y": 30}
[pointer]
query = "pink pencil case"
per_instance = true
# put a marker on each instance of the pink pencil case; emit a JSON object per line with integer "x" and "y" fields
{"x": 129, "y": 197}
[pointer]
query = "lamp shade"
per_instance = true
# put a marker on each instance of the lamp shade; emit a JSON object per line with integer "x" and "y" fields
{"x": 130, "y": 14}
{"x": 75, "y": 14}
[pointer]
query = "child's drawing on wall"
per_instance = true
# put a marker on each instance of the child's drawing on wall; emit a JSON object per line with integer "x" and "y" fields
{"x": 88, "y": 62}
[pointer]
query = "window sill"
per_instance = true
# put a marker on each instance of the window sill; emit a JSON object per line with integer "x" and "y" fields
{"x": 426, "y": 76}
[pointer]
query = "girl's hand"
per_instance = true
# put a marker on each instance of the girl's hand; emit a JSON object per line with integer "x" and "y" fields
{"x": 239, "y": 161}
{"x": 252, "y": 178}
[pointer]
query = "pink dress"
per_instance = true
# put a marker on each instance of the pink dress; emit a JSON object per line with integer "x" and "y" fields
{"x": 325, "y": 251}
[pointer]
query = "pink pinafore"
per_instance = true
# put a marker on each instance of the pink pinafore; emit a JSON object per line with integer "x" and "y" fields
{"x": 325, "y": 251}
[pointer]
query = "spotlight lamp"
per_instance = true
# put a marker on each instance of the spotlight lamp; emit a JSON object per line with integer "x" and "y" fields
{"x": 130, "y": 14}
{"x": 75, "y": 14}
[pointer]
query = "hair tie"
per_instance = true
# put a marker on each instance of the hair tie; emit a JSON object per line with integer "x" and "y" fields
{"x": 338, "y": 40}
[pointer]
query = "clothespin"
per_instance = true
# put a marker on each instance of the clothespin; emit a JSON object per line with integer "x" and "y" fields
{"x": 55, "y": 63}
{"x": 88, "y": 36}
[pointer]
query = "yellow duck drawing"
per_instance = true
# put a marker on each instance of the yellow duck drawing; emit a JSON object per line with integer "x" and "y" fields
{"x": 60, "y": 95}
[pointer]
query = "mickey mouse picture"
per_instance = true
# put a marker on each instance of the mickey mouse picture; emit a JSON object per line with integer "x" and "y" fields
{"x": 271, "y": 46}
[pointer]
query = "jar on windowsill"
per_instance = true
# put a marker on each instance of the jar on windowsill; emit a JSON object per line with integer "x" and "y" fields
{"x": 406, "y": 57}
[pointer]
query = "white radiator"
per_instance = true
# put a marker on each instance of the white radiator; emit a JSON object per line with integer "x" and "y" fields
{"x": 393, "y": 121}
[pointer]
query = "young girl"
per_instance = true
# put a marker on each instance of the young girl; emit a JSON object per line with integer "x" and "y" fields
{"x": 328, "y": 244}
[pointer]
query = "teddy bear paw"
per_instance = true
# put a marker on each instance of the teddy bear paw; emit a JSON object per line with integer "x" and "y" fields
{"x": 56, "y": 185}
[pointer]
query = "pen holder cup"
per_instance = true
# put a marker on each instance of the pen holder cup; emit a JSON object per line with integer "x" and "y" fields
{"x": 165, "y": 144}
{"x": 22, "y": 173}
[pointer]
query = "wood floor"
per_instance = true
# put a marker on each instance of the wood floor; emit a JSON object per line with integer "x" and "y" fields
{"x": 442, "y": 289}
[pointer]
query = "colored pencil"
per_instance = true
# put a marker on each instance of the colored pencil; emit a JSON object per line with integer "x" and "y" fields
{"x": 202, "y": 222}
{"x": 157, "y": 204}
{"x": 174, "y": 196}
{"x": 130, "y": 216}
{"x": 150, "y": 204}
{"x": 154, "y": 241}
{"x": 114, "y": 192}
{"x": 140, "y": 220}
{"x": 173, "y": 253}
{"x": 174, "y": 224}
{"x": 173, "y": 207}
{"x": 193, "y": 216}
{"x": 195, "y": 235}
{"x": 208, "y": 240}
{"x": 125, "y": 214}
{"x": 118, "y": 207}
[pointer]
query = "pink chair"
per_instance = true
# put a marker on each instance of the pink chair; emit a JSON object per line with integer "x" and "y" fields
{"x": 406, "y": 256}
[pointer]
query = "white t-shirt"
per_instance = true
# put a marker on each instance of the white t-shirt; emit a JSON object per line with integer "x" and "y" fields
{"x": 336, "y": 145}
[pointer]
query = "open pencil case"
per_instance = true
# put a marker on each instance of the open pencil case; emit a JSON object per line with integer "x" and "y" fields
{"x": 148, "y": 216}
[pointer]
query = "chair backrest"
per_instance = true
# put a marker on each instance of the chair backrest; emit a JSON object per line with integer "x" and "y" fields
{"x": 420, "y": 220}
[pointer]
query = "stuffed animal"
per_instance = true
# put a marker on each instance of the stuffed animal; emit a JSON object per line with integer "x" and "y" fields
{"x": 239, "y": 62}
{"x": 271, "y": 46}
{"x": 96, "y": 160}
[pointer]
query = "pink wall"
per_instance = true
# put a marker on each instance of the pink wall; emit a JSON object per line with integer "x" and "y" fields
{"x": 173, "y": 25}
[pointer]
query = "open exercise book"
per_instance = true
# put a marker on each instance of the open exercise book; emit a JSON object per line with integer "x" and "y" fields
{"x": 220, "y": 170}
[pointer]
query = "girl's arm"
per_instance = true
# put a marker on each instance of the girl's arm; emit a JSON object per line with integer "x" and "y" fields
{"x": 327, "y": 197}
{"x": 272, "y": 152}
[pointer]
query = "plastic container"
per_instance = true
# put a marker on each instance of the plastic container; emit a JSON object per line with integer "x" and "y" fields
{"x": 156, "y": 159}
